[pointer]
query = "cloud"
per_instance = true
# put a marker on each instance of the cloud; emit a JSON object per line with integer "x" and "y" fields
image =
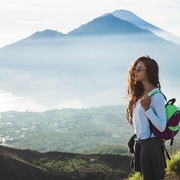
{"x": 11, "y": 102}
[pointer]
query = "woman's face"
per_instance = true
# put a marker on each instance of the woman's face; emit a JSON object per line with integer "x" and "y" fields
{"x": 140, "y": 72}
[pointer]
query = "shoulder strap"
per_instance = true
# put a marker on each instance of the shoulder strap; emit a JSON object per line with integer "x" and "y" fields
{"x": 154, "y": 91}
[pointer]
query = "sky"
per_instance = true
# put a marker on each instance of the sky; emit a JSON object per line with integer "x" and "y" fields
{"x": 21, "y": 18}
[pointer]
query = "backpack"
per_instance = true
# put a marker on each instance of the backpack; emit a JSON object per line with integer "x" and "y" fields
{"x": 172, "y": 117}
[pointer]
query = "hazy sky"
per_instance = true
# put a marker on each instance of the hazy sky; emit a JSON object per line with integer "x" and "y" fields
{"x": 21, "y": 18}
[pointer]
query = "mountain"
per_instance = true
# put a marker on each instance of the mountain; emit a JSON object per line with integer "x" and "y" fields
{"x": 46, "y": 34}
{"x": 86, "y": 67}
{"x": 46, "y": 37}
{"x": 132, "y": 18}
{"x": 107, "y": 24}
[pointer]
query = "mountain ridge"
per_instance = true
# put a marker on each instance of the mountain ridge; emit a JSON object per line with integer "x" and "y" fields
{"x": 46, "y": 33}
{"x": 107, "y": 24}
{"x": 27, "y": 164}
{"x": 133, "y": 18}
{"x": 114, "y": 22}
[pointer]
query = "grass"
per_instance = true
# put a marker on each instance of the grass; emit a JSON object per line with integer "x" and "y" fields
{"x": 174, "y": 163}
{"x": 173, "y": 167}
{"x": 135, "y": 176}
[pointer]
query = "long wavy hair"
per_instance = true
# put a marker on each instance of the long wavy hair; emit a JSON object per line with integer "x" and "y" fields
{"x": 135, "y": 89}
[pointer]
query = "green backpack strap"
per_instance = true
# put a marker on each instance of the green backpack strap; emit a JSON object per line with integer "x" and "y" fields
{"x": 174, "y": 128}
{"x": 154, "y": 91}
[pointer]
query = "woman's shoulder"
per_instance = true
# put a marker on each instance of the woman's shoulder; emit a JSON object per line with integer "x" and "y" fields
{"x": 156, "y": 94}
{"x": 159, "y": 96}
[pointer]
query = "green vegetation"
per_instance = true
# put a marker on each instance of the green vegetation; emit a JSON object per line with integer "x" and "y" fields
{"x": 135, "y": 176}
{"x": 66, "y": 130}
{"x": 174, "y": 163}
{"x": 98, "y": 136}
{"x": 80, "y": 166}
{"x": 107, "y": 149}
{"x": 173, "y": 168}
{"x": 76, "y": 166}
{"x": 69, "y": 130}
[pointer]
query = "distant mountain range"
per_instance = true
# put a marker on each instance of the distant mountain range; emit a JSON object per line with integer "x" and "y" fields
{"x": 85, "y": 67}
{"x": 117, "y": 22}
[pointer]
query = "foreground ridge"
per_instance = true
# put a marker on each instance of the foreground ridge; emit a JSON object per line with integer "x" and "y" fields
{"x": 29, "y": 164}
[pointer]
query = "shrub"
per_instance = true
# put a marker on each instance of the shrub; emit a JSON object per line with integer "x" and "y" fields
{"x": 174, "y": 163}
{"x": 135, "y": 176}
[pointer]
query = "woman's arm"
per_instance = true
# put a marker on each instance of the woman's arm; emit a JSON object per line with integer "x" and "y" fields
{"x": 156, "y": 113}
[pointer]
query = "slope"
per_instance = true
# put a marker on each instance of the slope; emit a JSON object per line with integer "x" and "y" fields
{"x": 26, "y": 164}
{"x": 107, "y": 24}
{"x": 132, "y": 18}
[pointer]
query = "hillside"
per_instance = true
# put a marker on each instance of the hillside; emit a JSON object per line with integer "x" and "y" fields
{"x": 18, "y": 170}
{"x": 29, "y": 164}
{"x": 66, "y": 130}
{"x": 26, "y": 164}
{"x": 69, "y": 130}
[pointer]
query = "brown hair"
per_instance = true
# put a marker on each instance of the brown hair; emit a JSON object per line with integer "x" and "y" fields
{"x": 135, "y": 88}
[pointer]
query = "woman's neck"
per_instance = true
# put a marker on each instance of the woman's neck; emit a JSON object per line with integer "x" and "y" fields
{"x": 148, "y": 87}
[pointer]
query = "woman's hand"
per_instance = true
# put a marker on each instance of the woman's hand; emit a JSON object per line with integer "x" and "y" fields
{"x": 145, "y": 102}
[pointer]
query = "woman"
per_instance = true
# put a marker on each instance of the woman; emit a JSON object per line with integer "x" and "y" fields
{"x": 142, "y": 110}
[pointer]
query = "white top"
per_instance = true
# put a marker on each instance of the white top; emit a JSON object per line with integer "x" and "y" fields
{"x": 156, "y": 114}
